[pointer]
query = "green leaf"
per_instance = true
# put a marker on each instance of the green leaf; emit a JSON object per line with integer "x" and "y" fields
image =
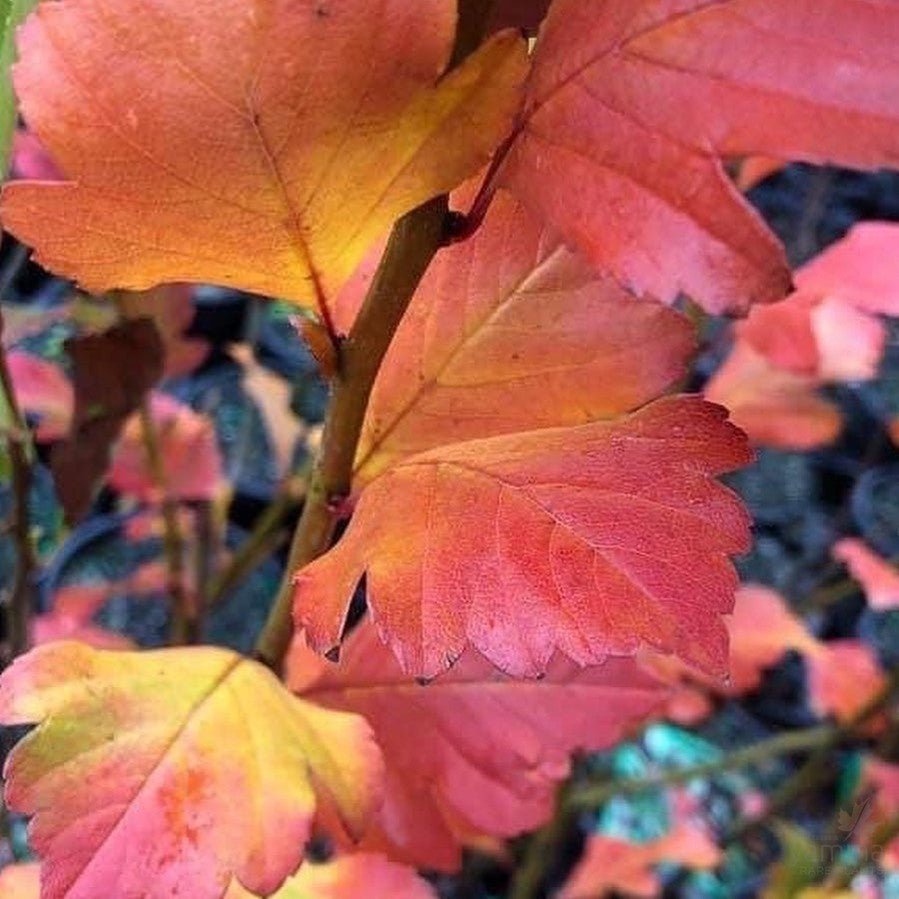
{"x": 12, "y": 12}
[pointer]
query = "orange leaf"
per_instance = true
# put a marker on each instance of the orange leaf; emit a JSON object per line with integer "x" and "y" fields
{"x": 775, "y": 407}
{"x": 630, "y": 107}
{"x": 349, "y": 877}
{"x": 610, "y": 864}
{"x": 166, "y": 773}
{"x": 188, "y": 446}
{"x": 264, "y": 146}
{"x": 755, "y": 169}
{"x": 20, "y": 882}
{"x": 509, "y": 331}
{"x": 879, "y": 578}
{"x": 842, "y": 676}
{"x": 591, "y": 540}
{"x": 487, "y": 750}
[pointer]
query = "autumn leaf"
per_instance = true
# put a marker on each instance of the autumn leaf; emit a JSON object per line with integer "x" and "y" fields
{"x": 614, "y": 865}
{"x": 843, "y": 675}
{"x": 20, "y": 882}
{"x": 488, "y": 749}
{"x": 113, "y": 371}
{"x": 43, "y": 392}
{"x": 188, "y": 446}
{"x": 165, "y": 773}
{"x": 349, "y": 877}
{"x": 774, "y": 406}
{"x": 264, "y": 146}
{"x": 591, "y": 540}
{"x": 631, "y": 106}
{"x": 878, "y": 577}
{"x": 509, "y": 331}
{"x": 70, "y": 618}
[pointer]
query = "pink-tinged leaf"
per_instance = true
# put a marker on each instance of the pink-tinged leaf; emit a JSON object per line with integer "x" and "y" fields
{"x": 349, "y": 877}
{"x": 775, "y": 407}
{"x": 31, "y": 160}
{"x": 509, "y": 331}
{"x": 263, "y": 146}
{"x": 189, "y": 450}
{"x": 614, "y": 865}
{"x": 842, "y": 676}
{"x": 860, "y": 269}
{"x": 630, "y": 107}
{"x": 762, "y": 628}
{"x": 164, "y": 774}
{"x": 43, "y": 391}
{"x": 70, "y": 619}
{"x": 878, "y": 577}
{"x": 850, "y": 342}
{"x": 592, "y": 540}
{"x": 20, "y": 882}
{"x": 487, "y": 751}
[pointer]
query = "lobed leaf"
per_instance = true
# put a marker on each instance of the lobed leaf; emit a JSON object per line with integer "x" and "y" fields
{"x": 263, "y": 145}
{"x": 630, "y": 107}
{"x": 165, "y": 773}
{"x": 510, "y": 331}
{"x": 592, "y": 540}
{"x": 488, "y": 750}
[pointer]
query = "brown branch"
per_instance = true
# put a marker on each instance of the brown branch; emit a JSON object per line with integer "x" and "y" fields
{"x": 413, "y": 243}
{"x": 415, "y": 240}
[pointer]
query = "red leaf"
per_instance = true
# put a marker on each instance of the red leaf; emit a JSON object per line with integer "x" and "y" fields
{"x": 30, "y": 158}
{"x": 188, "y": 446}
{"x": 509, "y": 331}
{"x": 615, "y": 865}
{"x": 775, "y": 407}
{"x": 349, "y": 877}
{"x": 487, "y": 750}
{"x": 164, "y": 774}
{"x": 264, "y": 146}
{"x": 879, "y": 578}
{"x": 43, "y": 391}
{"x": 631, "y": 105}
{"x": 596, "y": 539}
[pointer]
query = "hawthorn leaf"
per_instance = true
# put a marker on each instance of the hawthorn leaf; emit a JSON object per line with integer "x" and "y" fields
{"x": 166, "y": 773}
{"x": 44, "y": 392}
{"x": 878, "y": 577}
{"x": 189, "y": 449}
{"x": 612, "y": 865}
{"x": 509, "y": 331}
{"x": 349, "y": 877}
{"x": 20, "y": 881}
{"x": 630, "y": 108}
{"x": 113, "y": 371}
{"x": 774, "y": 406}
{"x": 488, "y": 749}
{"x": 263, "y": 146}
{"x": 842, "y": 676}
{"x": 12, "y": 12}
{"x": 592, "y": 540}
{"x": 70, "y": 618}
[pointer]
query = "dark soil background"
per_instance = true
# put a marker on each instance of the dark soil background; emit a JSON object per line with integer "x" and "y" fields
{"x": 801, "y": 504}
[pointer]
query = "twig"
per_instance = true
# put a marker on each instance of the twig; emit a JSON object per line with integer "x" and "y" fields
{"x": 204, "y": 562}
{"x": 264, "y": 539}
{"x": 814, "y": 770}
{"x": 783, "y": 744}
{"x": 414, "y": 242}
{"x": 184, "y": 618}
{"x": 15, "y": 434}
